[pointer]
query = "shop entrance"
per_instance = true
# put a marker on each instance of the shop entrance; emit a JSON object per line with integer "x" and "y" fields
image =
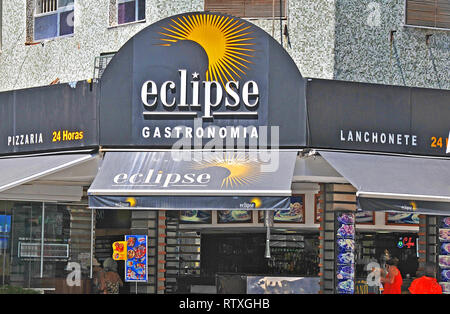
{"x": 210, "y": 258}
{"x": 378, "y": 247}
{"x": 111, "y": 226}
{"x": 228, "y": 258}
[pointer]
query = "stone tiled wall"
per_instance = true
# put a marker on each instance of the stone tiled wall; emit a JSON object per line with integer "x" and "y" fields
{"x": 70, "y": 58}
{"x": 364, "y": 51}
{"x": 310, "y": 28}
{"x": 331, "y": 39}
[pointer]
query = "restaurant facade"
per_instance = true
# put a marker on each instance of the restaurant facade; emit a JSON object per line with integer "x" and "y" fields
{"x": 203, "y": 140}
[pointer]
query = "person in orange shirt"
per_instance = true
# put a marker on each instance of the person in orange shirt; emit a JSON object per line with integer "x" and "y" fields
{"x": 426, "y": 284}
{"x": 391, "y": 278}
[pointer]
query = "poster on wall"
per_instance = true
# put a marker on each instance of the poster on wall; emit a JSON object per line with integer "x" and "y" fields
{"x": 295, "y": 213}
{"x": 5, "y": 229}
{"x": 5, "y": 224}
{"x": 136, "y": 262}
{"x": 444, "y": 254}
{"x": 402, "y": 219}
{"x": 120, "y": 250}
{"x": 365, "y": 218}
{"x": 195, "y": 216}
{"x": 234, "y": 216}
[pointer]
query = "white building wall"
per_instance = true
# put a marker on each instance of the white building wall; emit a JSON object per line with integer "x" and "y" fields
{"x": 72, "y": 58}
{"x": 329, "y": 39}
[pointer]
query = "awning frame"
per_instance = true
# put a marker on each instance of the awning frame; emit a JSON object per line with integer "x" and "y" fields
{"x": 412, "y": 174}
{"x": 107, "y": 191}
{"x": 49, "y": 171}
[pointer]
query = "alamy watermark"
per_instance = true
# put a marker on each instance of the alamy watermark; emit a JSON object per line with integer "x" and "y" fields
{"x": 73, "y": 279}
{"x": 250, "y": 143}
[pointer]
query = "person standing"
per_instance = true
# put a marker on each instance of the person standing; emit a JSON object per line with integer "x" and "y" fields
{"x": 110, "y": 281}
{"x": 391, "y": 278}
{"x": 97, "y": 275}
{"x": 426, "y": 284}
{"x": 384, "y": 258}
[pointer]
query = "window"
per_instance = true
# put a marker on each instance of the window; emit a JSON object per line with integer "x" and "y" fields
{"x": 34, "y": 244}
{"x": 130, "y": 11}
{"x": 248, "y": 8}
{"x": 428, "y": 13}
{"x": 53, "y": 18}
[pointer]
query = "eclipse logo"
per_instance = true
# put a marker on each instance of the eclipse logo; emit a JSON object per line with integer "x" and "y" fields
{"x": 151, "y": 93}
{"x": 162, "y": 179}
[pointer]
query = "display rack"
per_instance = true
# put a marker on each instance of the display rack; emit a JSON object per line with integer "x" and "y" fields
{"x": 345, "y": 248}
{"x": 365, "y": 252}
{"x": 289, "y": 255}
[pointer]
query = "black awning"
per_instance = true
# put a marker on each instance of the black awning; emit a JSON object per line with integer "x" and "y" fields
{"x": 194, "y": 180}
{"x": 396, "y": 183}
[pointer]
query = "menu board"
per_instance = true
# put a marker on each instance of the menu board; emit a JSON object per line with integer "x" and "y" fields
{"x": 136, "y": 263}
{"x": 345, "y": 238}
{"x": 444, "y": 254}
{"x": 195, "y": 216}
{"x": 5, "y": 229}
{"x": 234, "y": 216}
{"x": 120, "y": 250}
{"x": 5, "y": 223}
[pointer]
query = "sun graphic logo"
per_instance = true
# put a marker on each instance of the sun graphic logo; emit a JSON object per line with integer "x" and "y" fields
{"x": 226, "y": 40}
{"x": 257, "y": 201}
{"x": 132, "y": 201}
{"x": 241, "y": 169}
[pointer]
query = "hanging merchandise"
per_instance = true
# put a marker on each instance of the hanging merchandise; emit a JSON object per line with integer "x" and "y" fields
{"x": 346, "y": 253}
{"x": 444, "y": 254}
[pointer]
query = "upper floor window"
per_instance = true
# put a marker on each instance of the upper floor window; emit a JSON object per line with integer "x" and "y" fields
{"x": 53, "y": 18}
{"x": 130, "y": 11}
{"x": 248, "y": 8}
{"x": 428, "y": 13}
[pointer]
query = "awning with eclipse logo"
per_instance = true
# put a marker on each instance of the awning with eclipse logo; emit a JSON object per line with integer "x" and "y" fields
{"x": 395, "y": 183}
{"x": 187, "y": 180}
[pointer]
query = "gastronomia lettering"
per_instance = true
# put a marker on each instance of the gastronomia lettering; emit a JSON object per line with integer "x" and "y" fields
{"x": 208, "y": 132}
{"x": 378, "y": 138}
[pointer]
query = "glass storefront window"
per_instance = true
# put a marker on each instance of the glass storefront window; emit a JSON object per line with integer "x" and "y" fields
{"x": 35, "y": 244}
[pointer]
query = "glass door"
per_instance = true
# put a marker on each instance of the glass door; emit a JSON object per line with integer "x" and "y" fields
{"x": 26, "y": 244}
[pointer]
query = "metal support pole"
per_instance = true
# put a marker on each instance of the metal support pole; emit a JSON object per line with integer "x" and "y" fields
{"x": 42, "y": 239}
{"x": 6, "y": 231}
{"x": 92, "y": 241}
{"x": 268, "y": 222}
{"x": 281, "y": 22}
